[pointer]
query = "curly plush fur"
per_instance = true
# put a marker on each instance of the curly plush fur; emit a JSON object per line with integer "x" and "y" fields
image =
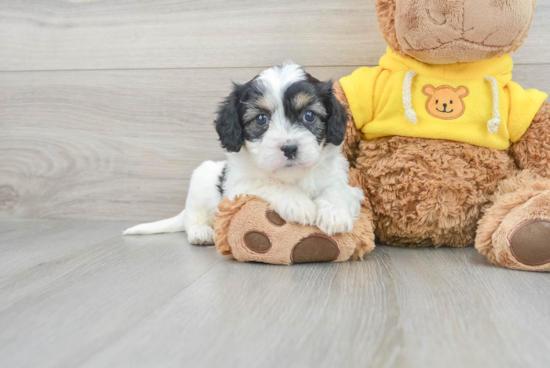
{"x": 532, "y": 152}
{"x": 428, "y": 192}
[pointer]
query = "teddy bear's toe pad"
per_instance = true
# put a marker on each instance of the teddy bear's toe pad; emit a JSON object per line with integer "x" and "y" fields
{"x": 257, "y": 242}
{"x": 530, "y": 243}
{"x": 274, "y": 218}
{"x": 315, "y": 248}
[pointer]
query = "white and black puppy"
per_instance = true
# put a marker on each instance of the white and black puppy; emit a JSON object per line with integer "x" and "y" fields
{"x": 282, "y": 132}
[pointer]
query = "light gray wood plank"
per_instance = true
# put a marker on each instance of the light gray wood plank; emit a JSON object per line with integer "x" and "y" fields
{"x": 399, "y": 308}
{"x": 59, "y": 35}
{"x": 470, "y": 310}
{"x": 156, "y": 301}
{"x": 58, "y": 312}
{"x": 20, "y": 257}
{"x": 109, "y": 144}
{"x": 119, "y": 145}
{"x": 129, "y": 34}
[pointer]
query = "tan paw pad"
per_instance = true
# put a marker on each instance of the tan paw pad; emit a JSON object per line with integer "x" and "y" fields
{"x": 274, "y": 218}
{"x": 257, "y": 242}
{"x": 315, "y": 248}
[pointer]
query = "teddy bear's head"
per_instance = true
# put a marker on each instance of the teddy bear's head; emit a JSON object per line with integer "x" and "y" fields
{"x": 450, "y": 31}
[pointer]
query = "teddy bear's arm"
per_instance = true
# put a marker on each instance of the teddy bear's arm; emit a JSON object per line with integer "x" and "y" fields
{"x": 353, "y": 135}
{"x": 532, "y": 151}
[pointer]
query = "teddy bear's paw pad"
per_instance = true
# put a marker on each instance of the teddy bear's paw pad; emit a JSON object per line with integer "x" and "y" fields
{"x": 274, "y": 218}
{"x": 257, "y": 242}
{"x": 315, "y": 248}
{"x": 530, "y": 243}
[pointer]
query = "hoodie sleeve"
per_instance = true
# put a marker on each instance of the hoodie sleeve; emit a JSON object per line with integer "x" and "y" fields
{"x": 360, "y": 89}
{"x": 524, "y": 105}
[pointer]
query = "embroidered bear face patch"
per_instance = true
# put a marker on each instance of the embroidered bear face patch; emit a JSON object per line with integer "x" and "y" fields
{"x": 445, "y": 102}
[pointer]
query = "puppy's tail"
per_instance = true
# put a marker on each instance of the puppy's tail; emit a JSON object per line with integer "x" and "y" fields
{"x": 171, "y": 225}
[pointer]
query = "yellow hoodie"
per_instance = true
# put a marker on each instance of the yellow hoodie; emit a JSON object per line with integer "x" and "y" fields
{"x": 476, "y": 103}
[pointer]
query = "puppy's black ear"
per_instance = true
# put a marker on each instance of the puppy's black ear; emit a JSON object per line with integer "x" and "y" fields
{"x": 337, "y": 118}
{"x": 228, "y": 122}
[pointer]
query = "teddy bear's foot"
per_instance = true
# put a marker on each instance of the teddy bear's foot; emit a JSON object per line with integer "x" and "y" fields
{"x": 515, "y": 232}
{"x": 522, "y": 241}
{"x": 250, "y": 232}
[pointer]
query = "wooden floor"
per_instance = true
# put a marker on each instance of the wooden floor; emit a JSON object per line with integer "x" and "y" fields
{"x": 78, "y": 294}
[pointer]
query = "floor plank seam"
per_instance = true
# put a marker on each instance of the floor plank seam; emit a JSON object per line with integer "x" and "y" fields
{"x": 208, "y": 68}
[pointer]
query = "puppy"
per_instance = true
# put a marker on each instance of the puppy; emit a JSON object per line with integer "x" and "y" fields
{"x": 282, "y": 132}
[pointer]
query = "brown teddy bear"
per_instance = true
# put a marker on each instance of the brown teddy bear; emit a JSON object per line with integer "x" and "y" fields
{"x": 448, "y": 150}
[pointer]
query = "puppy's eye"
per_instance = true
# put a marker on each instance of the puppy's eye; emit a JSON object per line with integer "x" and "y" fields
{"x": 309, "y": 116}
{"x": 262, "y": 119}
{"x": 451, "y": 102}
{"x": 436, "y": 101}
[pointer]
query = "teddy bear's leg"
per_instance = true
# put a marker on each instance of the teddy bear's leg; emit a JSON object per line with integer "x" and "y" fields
{"x": 515, "y": 230}
{"x": 249, "y": 231}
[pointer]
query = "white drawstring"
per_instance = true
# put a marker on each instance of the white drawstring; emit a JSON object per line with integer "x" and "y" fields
{"x": 494, "y": 123}
{"x": 410, "y": 114}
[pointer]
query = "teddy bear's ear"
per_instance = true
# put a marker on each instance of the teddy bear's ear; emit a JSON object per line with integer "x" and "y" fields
{"x": 428, "y": 90}
{"x": 462, "y": 91}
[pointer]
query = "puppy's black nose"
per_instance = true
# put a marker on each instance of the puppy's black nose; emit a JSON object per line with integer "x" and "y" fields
{"x": 290, "y": 150}
{"x": 445, "y": 106}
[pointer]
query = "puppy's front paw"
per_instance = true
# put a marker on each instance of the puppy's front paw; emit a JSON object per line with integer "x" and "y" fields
{"x": 201, "y": 235}
{"x": 299, "y": 209}
{"x": 334, "y": 219}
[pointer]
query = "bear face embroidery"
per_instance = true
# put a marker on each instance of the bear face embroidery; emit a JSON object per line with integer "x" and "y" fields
{"x": 445, "y": 102}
